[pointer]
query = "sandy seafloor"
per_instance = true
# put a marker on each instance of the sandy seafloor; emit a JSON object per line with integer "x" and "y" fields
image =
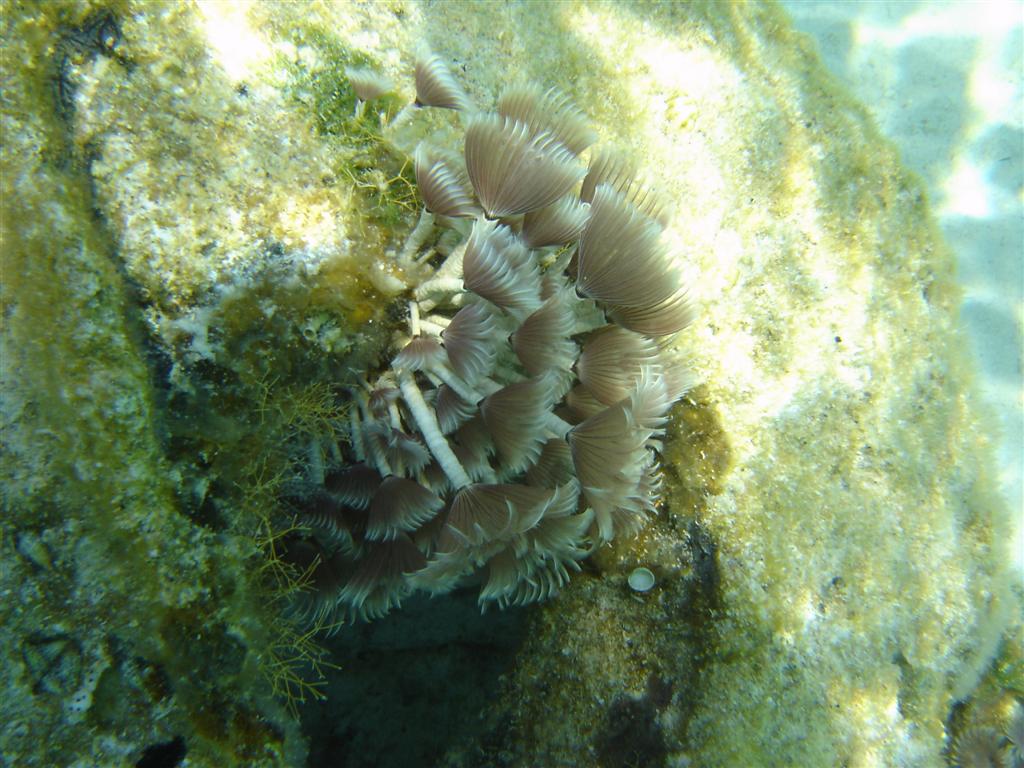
{"x": 945, "y": 81}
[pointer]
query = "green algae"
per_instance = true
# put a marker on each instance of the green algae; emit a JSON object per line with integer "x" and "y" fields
{"x": 381, "y": 175}
{"x": 105, "y": 562}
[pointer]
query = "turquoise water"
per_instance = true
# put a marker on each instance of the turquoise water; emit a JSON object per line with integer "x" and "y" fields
{"x": 945, "y": 81}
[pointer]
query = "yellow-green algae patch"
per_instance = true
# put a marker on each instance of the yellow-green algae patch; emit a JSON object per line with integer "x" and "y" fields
{"x": 121, "y": 619}
{"x": 829, "y": 562}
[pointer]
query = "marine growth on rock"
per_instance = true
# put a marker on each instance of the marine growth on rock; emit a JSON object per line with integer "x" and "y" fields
{"x": 518, "y": 425}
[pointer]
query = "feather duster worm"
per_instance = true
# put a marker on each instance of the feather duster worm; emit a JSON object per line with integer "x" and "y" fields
{"x": 367, "y": 83}
{"x": 515, "y": 169}
{"x": 519, "y": 424}
{"x": 435, "y": 86}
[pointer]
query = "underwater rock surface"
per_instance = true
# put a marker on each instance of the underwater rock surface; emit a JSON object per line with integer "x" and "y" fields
{"x": 197, "y": 234}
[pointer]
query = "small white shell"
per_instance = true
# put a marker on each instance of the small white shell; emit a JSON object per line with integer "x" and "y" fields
{"x": 641, "y": 580}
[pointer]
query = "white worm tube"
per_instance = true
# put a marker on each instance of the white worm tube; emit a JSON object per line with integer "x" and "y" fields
{"x": 428, "y": 427}
{"x": 414, "y": 319}
{"x": 438, "y": 287}
{"x": 556, "y": 425}
{"x": 315, "y": 454}
{"x": 396, "y": 417}
{"x": 447, "y": 279}
{"x": 355, "y": 428}
{"x": 461, "y": 388}
{"x": 439, "y": 320}
{"x": 417, "y": 237}
{"x": 431, "y": 328}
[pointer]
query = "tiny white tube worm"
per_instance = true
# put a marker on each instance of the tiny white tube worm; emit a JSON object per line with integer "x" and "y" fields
{"x": 426, "y": 421}
{"x": 417, "y": 237}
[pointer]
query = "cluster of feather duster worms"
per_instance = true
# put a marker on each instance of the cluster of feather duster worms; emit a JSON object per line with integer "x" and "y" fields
{"x": 518, "y": 425}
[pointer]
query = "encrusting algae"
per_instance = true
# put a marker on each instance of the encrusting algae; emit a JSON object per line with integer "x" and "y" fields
{"x": 210, "y": 246}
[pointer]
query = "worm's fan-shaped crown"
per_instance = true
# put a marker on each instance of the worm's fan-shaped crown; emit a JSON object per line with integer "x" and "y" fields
{"x": 505, "y": 572}
{"x": 473, "y": 446}
{"x": 405, "y": 454}
{"x": 367, "y": 83}
{"x": 467, "y": 340}
{"x": 393, "y": 451}
{"x": 549, "y": 111}
{"x": 615, "y": 169}
{"x": 514, "y": 171}
{"x": 670, "y": 316}
{"x": 612, "y": 456}
{"x": 435, "y": 86}
{"x": 581, "y": 404}
{"x": 446, "y": 569}
{"x": 378, "y": 581}
{"x": 554, "y": 467}
{"x": 539, "y": 567}
{"x": 400, "y": 505}
{"x": 516, "y": 416}
{"x": 542, "y": 341}
{"x": 421, "y": 352}
{"x": 611, "y": 362}
{"x": 354, "y": 486}
{"x": 451, "y": 409}
{"x": 650, "y": 401}
{"x": 481, "y": 514}
{"x": 325, "y": 570}
{"x": 499, "y": 268}
{"x": 560, "y": 532}
{"x": 443, "y": 185}
{"x": 555, "y": 224}
{"x": 322, "y": 513}
{"x": 623, "y": 262}
{"x": 619, "y": 171}
{"x": 380, "y": 400}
